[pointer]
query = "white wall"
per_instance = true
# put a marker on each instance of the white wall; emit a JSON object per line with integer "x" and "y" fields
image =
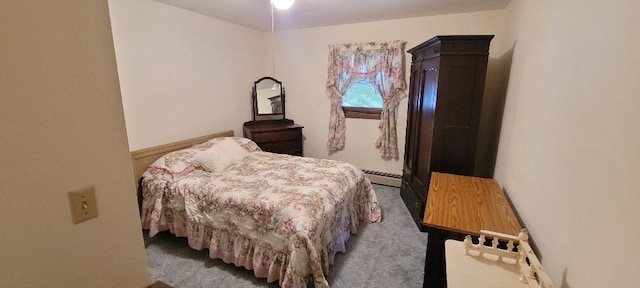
{"x": 62, "y": 128}
{"x": 182, "y": 74}
{"x": 568, "y": 155}
{"x": 199, "y": 71}
{"x": 301, "y": 63}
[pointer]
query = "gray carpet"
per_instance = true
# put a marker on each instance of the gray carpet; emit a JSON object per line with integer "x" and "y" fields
{"x": 386, "y": 254}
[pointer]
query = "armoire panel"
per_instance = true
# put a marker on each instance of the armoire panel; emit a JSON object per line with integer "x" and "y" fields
{"x": 412, "y": 125}
{"x": 422, "y": 173}
{"x": 460, "y": 98}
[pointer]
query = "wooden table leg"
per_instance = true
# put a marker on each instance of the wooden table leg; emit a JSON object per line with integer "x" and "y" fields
{"x": 435, "y": 275}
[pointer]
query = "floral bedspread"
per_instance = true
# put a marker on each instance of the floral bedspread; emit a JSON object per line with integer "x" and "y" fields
{"x": 283, "y": 216}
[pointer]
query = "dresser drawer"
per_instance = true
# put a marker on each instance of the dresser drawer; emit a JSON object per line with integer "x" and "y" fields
{"x": 282, "y": 146}
{"x": 284, "y": 138}
{"x": 271, "y": 136}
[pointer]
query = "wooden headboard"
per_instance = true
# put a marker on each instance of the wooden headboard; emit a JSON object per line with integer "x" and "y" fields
{"x": 141, "y": 159}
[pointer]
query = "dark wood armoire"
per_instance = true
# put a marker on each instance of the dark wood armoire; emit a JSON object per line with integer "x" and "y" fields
{"x": 445, "y": 101}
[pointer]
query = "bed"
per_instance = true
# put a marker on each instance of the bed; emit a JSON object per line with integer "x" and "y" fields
{"x": 282, "y": 216}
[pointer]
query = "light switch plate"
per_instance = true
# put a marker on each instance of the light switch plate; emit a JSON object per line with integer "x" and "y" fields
{"x": 83, "y": 205}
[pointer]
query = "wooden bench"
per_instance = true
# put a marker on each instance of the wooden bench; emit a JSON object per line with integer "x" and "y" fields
{"x": 478, "y": 265}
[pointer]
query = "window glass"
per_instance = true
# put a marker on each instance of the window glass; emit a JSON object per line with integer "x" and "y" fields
{"x": 362, "y": 95}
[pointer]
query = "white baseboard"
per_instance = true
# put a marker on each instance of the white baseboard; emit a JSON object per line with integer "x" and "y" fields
{"x": 383, "y": 178}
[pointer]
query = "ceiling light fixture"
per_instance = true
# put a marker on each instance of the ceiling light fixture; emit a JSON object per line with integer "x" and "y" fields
{"x": 282, "y": 4}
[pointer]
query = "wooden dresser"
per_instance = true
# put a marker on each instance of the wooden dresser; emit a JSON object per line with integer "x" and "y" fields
{"x": 281, "y": 136}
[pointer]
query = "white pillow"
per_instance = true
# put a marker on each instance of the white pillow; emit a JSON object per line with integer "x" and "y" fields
{"x": 222, "y": 155}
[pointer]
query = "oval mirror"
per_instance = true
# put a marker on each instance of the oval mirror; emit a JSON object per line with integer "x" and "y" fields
{"x": 268, "y": 99}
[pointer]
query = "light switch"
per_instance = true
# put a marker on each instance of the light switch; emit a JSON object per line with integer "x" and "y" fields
{"x": 83, "y": 205}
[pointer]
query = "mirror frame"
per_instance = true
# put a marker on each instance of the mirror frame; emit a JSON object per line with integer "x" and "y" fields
{"x": 267, "y": 116}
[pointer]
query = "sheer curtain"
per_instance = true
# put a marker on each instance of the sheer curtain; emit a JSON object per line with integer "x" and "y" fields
{"x": 382, "y": 65}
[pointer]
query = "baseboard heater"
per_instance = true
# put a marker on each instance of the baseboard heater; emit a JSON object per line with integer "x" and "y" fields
{"x": 383, "y": 178}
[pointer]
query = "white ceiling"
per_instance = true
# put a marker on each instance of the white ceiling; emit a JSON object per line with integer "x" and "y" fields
{"x": 256, "y": 14}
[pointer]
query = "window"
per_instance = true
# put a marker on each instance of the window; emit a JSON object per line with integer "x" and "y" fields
{"x": 377, "y": 68}
{"x": 362, "y": 101}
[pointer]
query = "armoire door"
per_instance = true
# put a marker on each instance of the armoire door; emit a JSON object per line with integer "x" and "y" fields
{"x": 429, "y": 70}
{"x": 413, "y": 119}
{"x": 458, "y": 114}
